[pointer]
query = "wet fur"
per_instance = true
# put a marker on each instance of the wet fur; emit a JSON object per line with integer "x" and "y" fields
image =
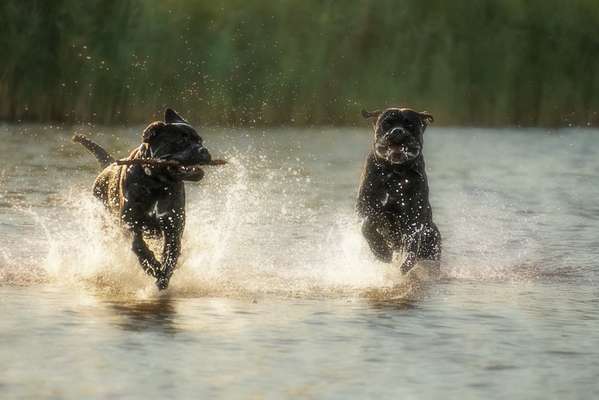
{"x": 148, "y": 200}
{"x": 393, "y": 197}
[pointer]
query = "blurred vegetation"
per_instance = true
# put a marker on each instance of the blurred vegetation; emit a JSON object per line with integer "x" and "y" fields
{"x": 301, "y": 62}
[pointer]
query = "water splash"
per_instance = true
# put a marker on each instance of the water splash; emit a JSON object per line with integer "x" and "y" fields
{"x": 254, "y": 228}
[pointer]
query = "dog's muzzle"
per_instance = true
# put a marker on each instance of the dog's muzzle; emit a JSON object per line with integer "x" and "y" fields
{"x": 397, "y": 146}
{"x": 204, "y": 156}
{"x": 194, "y": 155}
{"x": 397, "y": 135}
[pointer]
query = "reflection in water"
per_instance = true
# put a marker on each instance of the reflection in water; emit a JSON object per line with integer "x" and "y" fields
{"x": 408, "y": 290}
{"x": 157, "y": 315}
{"x": 398, "y": 304}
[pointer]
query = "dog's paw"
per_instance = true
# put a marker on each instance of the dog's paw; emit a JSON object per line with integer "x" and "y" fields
{"x": 408, "y": 263}
{"x": 405, "y": 268}
{"x": 162, "y": 283}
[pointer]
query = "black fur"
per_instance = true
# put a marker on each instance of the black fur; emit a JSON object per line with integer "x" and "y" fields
{"x": 393, "y": 196}
{"x": 151, "y": 199}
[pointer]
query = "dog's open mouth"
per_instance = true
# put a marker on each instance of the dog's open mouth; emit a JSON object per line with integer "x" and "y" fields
{"x": 194, "y": 172}
{"x": 397, "y": 153}
{"x": 189, "y": 168}
{"x": 189, "y": 172}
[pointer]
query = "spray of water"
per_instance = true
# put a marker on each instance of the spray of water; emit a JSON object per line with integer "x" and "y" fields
{"x": 253, "y": 229}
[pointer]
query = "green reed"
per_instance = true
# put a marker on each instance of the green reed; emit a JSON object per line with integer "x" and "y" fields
{"x": 300, "y": 62}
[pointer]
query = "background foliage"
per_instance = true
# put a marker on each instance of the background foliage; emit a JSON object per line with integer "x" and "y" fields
{"x": 238, "y": 62}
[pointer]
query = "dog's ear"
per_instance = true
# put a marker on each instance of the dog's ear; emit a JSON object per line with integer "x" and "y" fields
{"x": 370, "y": 114}
{"x": 152, "y": 130}
{"x": 171, "y": 117}
{"x": 427, "y": 117}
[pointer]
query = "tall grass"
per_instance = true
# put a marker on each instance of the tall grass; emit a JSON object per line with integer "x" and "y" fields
{"x": 234, "y": 62}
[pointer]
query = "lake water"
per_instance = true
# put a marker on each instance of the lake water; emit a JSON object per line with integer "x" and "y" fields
{"x": 277, "y": 295}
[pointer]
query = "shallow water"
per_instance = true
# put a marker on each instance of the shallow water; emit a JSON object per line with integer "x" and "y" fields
{"x": 277, "y": 295}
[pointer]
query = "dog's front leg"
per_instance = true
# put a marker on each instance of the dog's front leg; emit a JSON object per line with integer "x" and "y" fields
{"x": 133, "y": 216}
{"x": 146, "y": 257}
{"x": 411, "y": 245}
{"x": 376, "y": 241}
{"x": 170, "y": 255}
{"x": 408, "y": 263}
{"x": 171, "y": 217}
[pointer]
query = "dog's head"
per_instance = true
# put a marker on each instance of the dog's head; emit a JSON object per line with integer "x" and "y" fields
{"x": 398, "y": 133}
{"x": 175, "y": 139}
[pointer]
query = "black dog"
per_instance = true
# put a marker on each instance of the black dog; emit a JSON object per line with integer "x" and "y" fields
{"x": 393, "y": 196}
{"x": 150, "y": 199}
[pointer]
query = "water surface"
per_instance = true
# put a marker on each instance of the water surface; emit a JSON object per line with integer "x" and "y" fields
{"x": 277, "y": 294}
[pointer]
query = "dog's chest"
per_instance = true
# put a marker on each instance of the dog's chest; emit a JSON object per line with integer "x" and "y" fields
{"x": 399, "y": 189}
{"x": 143, "y": 190}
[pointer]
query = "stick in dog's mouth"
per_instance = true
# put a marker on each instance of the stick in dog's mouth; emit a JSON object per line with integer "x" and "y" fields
{"x": 153, "y": 162}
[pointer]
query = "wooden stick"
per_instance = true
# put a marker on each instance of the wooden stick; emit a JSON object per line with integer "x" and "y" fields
{"x": 217, "y": 162}
{"x": 149, "y": 161}
{"x": 162, "y": 163}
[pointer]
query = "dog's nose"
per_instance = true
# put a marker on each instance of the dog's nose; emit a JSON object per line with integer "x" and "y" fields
{"x": 397, "y": 135}
{"x": 205, "y": 156}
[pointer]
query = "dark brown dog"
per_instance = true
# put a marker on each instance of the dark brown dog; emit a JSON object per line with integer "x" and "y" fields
{"x": 150, "y": 199}
{"x": 393, "y": 197}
